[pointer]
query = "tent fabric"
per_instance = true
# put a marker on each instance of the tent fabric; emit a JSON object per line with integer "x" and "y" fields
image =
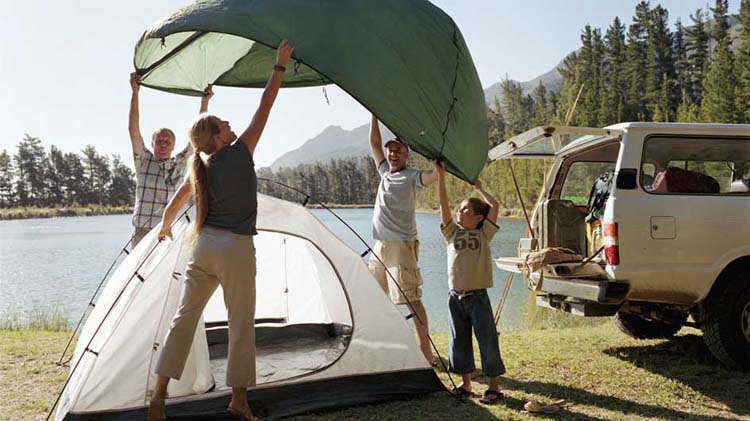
{"x": 404, "y": 60}
{"x": 325, "y": 284}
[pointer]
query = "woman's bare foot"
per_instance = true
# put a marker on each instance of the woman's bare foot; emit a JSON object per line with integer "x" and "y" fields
{"x": 157, "y": 411}
{"x": 243, "y": 414}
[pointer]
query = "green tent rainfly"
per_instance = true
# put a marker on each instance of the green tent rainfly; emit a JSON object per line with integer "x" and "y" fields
{"x": 404, "y": 60}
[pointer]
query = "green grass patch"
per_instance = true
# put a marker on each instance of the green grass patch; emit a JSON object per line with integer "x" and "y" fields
{"x": 42, "y": 319}
{"x": 600, "y": 372}
{"x": 39, "y": 212}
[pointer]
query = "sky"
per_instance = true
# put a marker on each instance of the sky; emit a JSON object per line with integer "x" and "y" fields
{"x": 65, "y": 67}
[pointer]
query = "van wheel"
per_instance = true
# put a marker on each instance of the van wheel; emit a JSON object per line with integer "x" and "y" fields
{"x": 640, "y": 327}
{"x": 726, "y": 327}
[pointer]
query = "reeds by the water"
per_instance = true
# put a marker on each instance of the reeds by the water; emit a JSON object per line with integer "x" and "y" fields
{"x": 46, "y": 319}
{"x": 39, "y": 212}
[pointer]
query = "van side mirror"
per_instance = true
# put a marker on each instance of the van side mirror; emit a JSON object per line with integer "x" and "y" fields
{"x": 626, "y": 179}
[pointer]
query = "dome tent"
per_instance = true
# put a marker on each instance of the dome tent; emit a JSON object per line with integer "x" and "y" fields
{"x": 327, "y": 334}
{"x": 404, "y": 60}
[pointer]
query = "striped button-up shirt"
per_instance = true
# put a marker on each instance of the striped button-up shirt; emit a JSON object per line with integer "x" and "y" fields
{"x": 156, "y": 183}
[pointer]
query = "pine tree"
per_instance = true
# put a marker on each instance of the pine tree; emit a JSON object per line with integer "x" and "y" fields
{"x": 98, "y": 175}
{"x": 636, "y": 69}
{"x": 515, "y": 108}
{"x": 569, "y": 88}
{"x": 697, "y": 56}
{"x": 612, "y": 110}
{"x": 720, "y": 27}
{"x": 588, "y": 106}
{"x": 679, "y": 52}
{"x": 719, "y": 84}
{"x": 54, "y": 194}
{"x": 6, "y": 180}
{"x": 74, "y": 180}
{"x": 122, "y": 188}
{"x": 29, "y": 160}
{"x": 495, "y": 124}
{"x": 743, "y": 65}
{"x": 542, "y": 113}
{"x": 660, "y": 81}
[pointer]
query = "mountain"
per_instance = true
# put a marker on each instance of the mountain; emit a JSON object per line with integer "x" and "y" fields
{"x": 551, "y": 80}
{"x": 333, "y": 143}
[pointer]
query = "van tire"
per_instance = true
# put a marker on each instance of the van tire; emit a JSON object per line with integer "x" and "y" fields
{"x": 640, "y": 327}
{"x": 727, "y": 314}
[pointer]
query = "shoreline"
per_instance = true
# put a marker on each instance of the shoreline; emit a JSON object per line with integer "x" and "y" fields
{"x": 10, "y": 214}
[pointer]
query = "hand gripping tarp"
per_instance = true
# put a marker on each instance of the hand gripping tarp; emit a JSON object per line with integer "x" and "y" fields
{"x": 404, "y": 60}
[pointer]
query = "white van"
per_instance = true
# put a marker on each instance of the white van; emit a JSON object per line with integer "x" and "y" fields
{"x": 674, "y": 230}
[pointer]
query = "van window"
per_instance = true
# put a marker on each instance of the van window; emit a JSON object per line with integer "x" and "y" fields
{"x": 675, "y": 165}
{"x": 581, "y": 178}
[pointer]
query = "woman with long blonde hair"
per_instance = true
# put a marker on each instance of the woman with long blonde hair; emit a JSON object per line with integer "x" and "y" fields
{"x": 223, "y": 184}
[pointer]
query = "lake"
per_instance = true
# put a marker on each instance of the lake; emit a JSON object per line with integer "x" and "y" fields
{"x": 57, "y": 263}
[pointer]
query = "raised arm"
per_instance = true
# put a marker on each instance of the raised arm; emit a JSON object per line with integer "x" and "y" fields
{"x": 136, "y": 140}
{"x": 494, "y": 210}
{"x": 208, "y": 93}
{"x": 429, "y": 177}
{"x": 445, "y": 209}
{"x": 376, "y": 141}
{"x": 251, "y": 135}
{"x": 173, "y": 207}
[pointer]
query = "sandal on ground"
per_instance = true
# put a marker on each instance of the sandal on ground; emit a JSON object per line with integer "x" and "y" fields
{"x": 157, "y": 411}
{"x": 244, "y": 414}
{"x": 491, "y": 397}
{"x": 536, "y": 407}
{"x": 460, "y": 391}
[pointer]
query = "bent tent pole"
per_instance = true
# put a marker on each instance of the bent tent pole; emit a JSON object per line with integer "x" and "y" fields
{"x": 91, "y": 303}
{"x": 135, "y": 275}
{"x": 369, "y": 250}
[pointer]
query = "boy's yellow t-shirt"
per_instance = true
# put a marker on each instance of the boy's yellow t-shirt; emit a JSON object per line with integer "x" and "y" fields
{"x": 469, "y": 255}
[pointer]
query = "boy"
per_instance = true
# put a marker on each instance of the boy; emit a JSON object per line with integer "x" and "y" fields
{"x": 469, "y": 275}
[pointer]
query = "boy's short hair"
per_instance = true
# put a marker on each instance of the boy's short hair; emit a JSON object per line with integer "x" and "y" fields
{"x": 479, "y": 207}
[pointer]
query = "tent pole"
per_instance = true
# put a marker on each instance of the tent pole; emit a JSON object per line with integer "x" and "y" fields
{"x": 503, "y": 297}
{"x": 520, "y": 198}
{"x": 91, "y": 301}
{"x": 114, "y": 303}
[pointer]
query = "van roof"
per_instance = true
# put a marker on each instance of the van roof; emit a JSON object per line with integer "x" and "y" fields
{"x": 682, "y": 128}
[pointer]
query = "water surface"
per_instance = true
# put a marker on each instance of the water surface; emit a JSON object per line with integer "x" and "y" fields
{"x": 57, "y": 263}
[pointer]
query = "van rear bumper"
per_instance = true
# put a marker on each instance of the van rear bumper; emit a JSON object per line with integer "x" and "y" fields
{"x": 599, "y": 291}
{"x": 587, "y": 282}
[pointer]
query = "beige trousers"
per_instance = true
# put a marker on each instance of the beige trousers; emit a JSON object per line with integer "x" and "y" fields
{"x": 138, "y": 235}
{"x": 219, "y": 257}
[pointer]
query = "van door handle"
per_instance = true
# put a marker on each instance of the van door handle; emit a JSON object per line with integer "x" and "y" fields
{"x": 663, "y": 228}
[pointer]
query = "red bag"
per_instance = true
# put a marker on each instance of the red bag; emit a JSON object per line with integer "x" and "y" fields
{"x": 677, "y": 180}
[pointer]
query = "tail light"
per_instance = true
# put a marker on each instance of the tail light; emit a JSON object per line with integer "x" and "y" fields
{"x": 611, "y": 244}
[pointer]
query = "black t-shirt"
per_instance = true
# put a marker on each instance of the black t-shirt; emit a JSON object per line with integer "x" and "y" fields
{"x": 232, "y": 190}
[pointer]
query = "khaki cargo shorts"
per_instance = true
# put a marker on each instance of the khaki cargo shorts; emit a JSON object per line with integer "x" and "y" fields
{"x": 401, "y": 260}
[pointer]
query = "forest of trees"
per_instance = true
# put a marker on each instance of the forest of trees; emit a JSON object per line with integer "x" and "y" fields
{"x": 645, "y": 71}
{"x": 35, "y": 177}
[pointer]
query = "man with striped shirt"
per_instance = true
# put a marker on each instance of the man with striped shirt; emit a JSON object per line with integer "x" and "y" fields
{"x": 158, "y": 173}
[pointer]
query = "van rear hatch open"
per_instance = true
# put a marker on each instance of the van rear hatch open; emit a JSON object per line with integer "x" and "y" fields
{"x": 573, "y": 287}
{"x": 547, "y": 141}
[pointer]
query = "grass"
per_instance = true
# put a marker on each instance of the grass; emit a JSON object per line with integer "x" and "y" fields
{"x": 35, "y": 212}
{"x": 37, "y": 319}
{"x": 601, "y": 373}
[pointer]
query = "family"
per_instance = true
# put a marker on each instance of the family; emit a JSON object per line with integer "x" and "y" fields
{"x": 223, "y": 185}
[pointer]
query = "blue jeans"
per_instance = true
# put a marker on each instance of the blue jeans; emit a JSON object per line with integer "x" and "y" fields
{"x": 473, "y": 310}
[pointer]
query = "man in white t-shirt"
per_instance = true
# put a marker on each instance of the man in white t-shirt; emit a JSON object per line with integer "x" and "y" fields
{"x": 394, "y": 226}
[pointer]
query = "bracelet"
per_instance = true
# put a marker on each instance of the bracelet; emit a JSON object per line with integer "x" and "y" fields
{"x": 279, "y": 68}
